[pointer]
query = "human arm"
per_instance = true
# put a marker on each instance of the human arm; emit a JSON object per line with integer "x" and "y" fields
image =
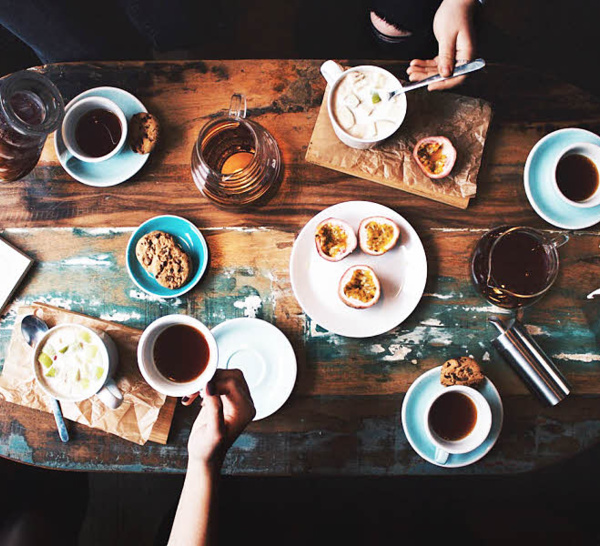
{"x": 454, "y": 31}
{"x": 227, "y": 409}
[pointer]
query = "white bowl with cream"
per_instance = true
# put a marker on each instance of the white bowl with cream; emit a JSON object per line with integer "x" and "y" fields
{"x": 360, "y": 114}
{"x": 73, "y": 362}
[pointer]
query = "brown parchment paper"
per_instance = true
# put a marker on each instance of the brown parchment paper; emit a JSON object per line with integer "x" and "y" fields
{"x": 144, "y": 414}
{"x": 464, "y": 120}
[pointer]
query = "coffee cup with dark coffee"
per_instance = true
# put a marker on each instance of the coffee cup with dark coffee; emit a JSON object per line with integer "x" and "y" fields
{"x": 458, "y": 420}
{"x": 577, "y": 175}
{"x": 177, "y": 355}
{"x": 94, "y": 129}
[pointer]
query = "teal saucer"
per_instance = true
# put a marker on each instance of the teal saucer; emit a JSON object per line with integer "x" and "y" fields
{"x": 538, "y": 177}
{"x": 118, "y": 168}
{"x": 187, "y": 236}
{"x": 414, "y": 409}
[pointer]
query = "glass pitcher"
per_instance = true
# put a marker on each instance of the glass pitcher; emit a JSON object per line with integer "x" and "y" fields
{"x": 31, "y": 107}
{"x": 235, "y": 161}
{"x": 514, "y": 266}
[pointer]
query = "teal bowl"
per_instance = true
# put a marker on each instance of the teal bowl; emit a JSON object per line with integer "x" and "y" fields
{"x": 190, "y": 239}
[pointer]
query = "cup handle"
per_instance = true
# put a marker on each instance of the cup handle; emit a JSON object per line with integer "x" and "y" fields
{"x": 66, "y": 156}
{"x": 331, "y": 71}
{"x": 560, "y": 240}
{"x": 441, "y": 456}
{"x": 110, "y": 395}
{"x": 189, "y": 398}
{"x": 237, "y": 106}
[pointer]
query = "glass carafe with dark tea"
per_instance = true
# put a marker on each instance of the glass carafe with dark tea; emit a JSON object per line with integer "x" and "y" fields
{"x": 31, "y": 107}
{"x": 514, "y": 266}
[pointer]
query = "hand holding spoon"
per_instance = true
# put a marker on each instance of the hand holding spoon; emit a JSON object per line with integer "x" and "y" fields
{"x": 460, "y": 70}
{"x": 33, "y": 329}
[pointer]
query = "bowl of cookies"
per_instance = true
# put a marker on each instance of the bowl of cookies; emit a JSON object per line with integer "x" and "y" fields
{"x": 167, "y": 256}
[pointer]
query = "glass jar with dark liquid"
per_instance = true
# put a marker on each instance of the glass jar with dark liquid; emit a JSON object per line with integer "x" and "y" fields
{"x": 515, "y": 266}
{"x": 235, "y": 161}
{"x": 31, "y": 107}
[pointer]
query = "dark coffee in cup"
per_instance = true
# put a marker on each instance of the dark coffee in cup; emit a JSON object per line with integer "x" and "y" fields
{"x": 453, "y": 416}
{"x": 577, "y": 177}
{"x": 181, "y": 353}
{"x": 98, "y": 132}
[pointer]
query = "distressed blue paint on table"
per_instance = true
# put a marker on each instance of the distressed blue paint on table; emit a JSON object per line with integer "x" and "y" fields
{"x": 343, "y": 417}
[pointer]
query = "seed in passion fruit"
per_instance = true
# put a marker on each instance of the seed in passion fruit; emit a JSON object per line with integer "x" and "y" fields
{"x": 377, "y": 235}
{"x": 335, "y": 239}
{"x": 359, "y": 287}
{"x": 435, "y": 156}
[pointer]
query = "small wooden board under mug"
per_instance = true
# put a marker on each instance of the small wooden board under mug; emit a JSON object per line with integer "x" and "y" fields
{"x": 464, "y": 120}
{"x": 153, "y": 414}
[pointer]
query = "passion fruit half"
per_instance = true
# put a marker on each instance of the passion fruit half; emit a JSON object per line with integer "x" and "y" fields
{"x": 377, "y": 235}
{"x": 435, "y": 156}
{"x": 359, "y": 287}
{"x": 335, "y": 239}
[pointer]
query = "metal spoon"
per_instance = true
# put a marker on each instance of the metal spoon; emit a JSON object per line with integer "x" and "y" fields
{"x": 33, "y": 329}
{"x": 460, "y": 70}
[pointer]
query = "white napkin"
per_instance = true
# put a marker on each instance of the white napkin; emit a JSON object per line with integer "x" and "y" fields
{"x": 13, "y": 267}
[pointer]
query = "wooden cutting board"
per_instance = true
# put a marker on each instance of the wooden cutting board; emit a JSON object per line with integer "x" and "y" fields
{"x": 144, "y": 414}
{"x": 464, "y": 120}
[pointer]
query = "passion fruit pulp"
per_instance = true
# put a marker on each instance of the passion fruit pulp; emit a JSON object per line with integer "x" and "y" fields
{"x": 377, "y": 235}
{"x": 335, "y": 239}
{"x": 359, "y": 287}
{"x": 435, "y": 156}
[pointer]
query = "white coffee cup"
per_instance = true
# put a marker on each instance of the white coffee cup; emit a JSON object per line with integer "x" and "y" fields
{"x": 592, "y": 152}
{"x": 477, "y": 435}
{"x": 148, "y": 369}
{"x": 334, "y": 73}
{"x": 73, "y": 115}
{"x": 105, "y": 388}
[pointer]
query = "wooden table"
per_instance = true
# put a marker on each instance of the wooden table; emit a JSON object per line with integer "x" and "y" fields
{"x": 343, "y": 417}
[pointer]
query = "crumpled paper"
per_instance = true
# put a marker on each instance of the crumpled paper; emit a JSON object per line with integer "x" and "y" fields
{"x": 144, "y": 415}
{"x": 464, "y": 120}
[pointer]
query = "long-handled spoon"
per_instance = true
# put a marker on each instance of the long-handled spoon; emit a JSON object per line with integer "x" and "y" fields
{"x": 33, "y": 329}
{"x": 460, "y": 70}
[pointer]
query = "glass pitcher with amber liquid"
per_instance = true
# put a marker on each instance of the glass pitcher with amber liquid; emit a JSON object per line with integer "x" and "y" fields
{"x": 515, "y": 266}
{"x": 236, "y": 162}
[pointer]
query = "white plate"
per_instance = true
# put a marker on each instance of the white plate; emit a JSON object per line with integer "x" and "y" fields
{"x": 402, "y": 272}
{"x": 264, "y": 355}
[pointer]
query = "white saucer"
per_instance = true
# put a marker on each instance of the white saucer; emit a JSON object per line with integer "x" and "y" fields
{"x": 118, "y": 168}
{"x": 264, "y": 355}
{"x": 402, "y": 272}
{"x": 414, "y": 409}
{"x": 538, "y": 180}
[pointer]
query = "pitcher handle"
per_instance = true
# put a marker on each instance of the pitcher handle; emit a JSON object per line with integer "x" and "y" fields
{"x": 237, "y": 106}
{"x": 559, "y": 240}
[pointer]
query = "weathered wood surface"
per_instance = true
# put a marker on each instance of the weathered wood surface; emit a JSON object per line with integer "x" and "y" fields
{"x": 344, "y": 414}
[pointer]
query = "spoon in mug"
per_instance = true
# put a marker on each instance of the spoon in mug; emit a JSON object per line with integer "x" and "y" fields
{"x": 33, "y": 329}
{"x": 460, "y": 70}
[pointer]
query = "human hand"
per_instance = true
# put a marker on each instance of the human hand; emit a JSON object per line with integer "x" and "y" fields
{"x": 227, "y": 408}
{"x": 453, "y": 29}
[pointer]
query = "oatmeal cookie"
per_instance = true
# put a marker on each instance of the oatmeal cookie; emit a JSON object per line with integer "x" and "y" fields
{"x": 162, "y": 257}
{"x": 461, "y": 371}
{"x": 143, "y": 132}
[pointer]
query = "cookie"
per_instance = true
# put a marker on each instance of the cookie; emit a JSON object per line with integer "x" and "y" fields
{"x": 143, "y": 132}
{"x": 162, "y": 257}
{"x": 461, "y": 371}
